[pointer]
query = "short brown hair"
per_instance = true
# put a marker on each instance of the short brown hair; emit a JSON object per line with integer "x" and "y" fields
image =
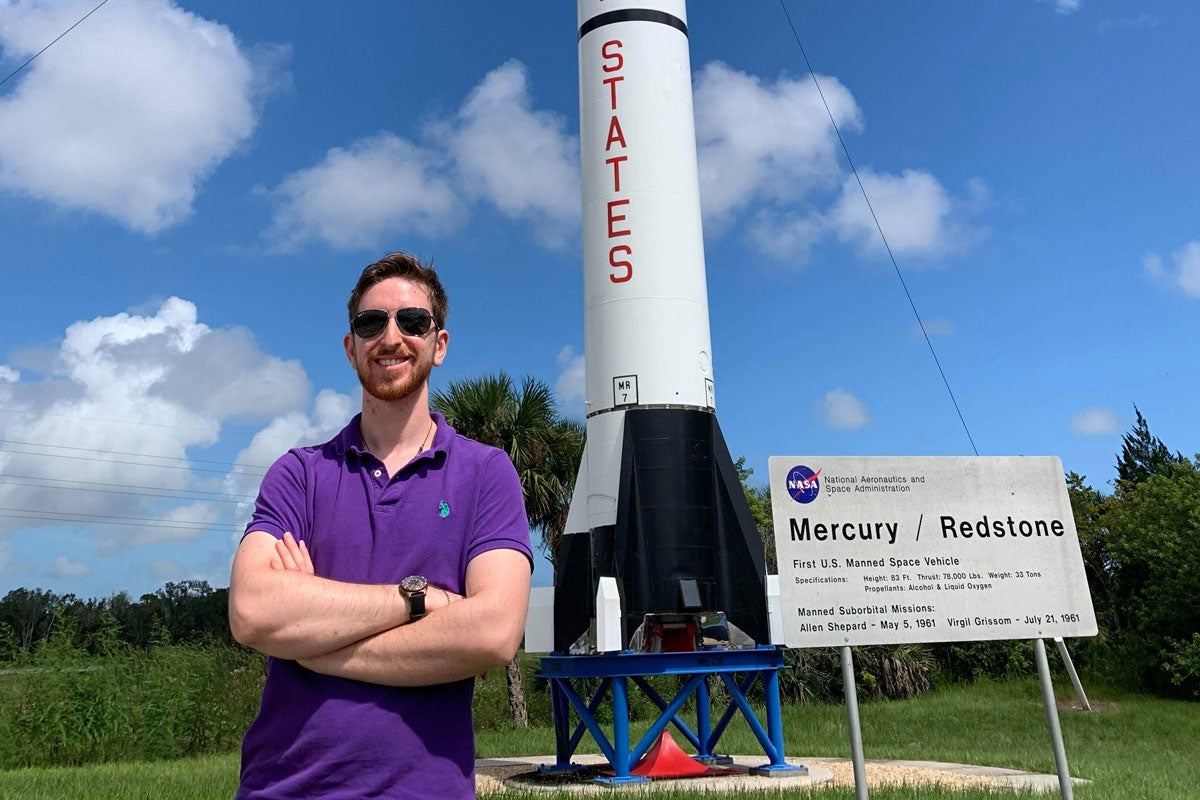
{"x": 410, "y": 268}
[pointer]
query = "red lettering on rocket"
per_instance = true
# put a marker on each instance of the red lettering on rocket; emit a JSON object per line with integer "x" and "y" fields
{"x": 611, "y": 83}
{"x": 623, "y": 249}
{"x": 612, "y": 44}
{"x": 619, "y": 255}
{"x": 615, "y": 161}
{"x": 612, "y": 232}
{"x": 615, "y": 134}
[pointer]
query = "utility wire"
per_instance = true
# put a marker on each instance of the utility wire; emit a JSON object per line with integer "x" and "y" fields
{"x": 165, "y": 496}
{"x": 185, "y": 524}
{"x": 115, "y": 521}
{"x": 118, "y": 461}
{"x": 237, "y": 498}
{"x": 47, "y": 47}
{"x": 30, "y": 412}
{"x": 879, "y": 228}
{"x": 124, "y": 453}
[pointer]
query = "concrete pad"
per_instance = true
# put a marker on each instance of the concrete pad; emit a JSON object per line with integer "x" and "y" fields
{"x": 520, "y": 773}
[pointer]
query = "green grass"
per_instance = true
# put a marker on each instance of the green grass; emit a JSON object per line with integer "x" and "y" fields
{"x": 1132, "y": 748}
{"x": 203, "y": 778}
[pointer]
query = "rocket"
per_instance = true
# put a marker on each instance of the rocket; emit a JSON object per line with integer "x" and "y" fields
{"x": 657, "y": 504}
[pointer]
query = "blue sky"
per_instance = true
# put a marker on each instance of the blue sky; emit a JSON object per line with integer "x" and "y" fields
{"x": 188, "y": 190}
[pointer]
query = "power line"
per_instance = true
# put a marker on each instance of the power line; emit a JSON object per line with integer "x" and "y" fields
{"x": 47, "y": 47}
{"x": 165, "y": 496}
{"x": 235, "y": 497}
{"x": 108, "y": 519}
{"x": 143, "y": 423}
{"x": 879, "y": 228}
{"x": 124, "y": 453}
{"x": 117, "y": 461}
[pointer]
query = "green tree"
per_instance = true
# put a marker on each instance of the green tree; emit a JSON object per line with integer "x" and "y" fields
{"x": 29, "y": 613}
{"x": 1155, "y": 572}
{"x": 1091, "y": 509}
{"x": 758, "y": 497}
{"x": 1143, "y": 455}
{"x": 544, "y": 447}
{"x": 1143, "y": 565}
{"x": 191, "y": 610}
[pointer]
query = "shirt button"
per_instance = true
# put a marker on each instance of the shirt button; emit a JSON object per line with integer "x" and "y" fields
{"x": 378, "y": 472}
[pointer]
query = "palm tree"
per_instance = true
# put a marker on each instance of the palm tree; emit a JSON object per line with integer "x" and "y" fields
{"x": 544, "y": 447}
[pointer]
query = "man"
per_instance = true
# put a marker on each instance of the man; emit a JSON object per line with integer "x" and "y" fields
{"x": 380, "y": 572}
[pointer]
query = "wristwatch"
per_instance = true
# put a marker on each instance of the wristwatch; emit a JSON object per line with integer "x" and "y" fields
{"x": 413, "y": 587}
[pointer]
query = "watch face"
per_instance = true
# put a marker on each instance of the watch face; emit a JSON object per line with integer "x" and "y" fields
{"x": 414, "y": 583}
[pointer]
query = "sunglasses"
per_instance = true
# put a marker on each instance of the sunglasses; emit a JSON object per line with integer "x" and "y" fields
{"x": 411, "y": 322}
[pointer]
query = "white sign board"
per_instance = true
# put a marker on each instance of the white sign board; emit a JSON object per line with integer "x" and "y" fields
{"x": 885, "y": 550}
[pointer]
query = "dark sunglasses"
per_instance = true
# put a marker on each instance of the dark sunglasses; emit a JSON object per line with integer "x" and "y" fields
{"x": 411, "y": 322}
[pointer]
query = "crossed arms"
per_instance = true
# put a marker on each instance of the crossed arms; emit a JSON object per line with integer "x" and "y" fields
{"x": 363, "y": 631}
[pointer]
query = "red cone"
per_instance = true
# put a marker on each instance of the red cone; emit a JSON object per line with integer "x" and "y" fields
{"x": 666, "y": 760}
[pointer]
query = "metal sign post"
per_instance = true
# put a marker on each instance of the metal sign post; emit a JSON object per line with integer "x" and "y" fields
{"x": 856, "y": 747}
{"x": 1070, "y": 665}
{"x": 1065, "y": 787}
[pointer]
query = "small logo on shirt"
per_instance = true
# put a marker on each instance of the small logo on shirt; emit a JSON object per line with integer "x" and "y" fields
{"x": 443, "y": 509}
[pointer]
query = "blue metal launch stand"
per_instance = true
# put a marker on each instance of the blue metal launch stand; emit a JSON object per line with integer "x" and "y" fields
{"x": 617, "y": 670}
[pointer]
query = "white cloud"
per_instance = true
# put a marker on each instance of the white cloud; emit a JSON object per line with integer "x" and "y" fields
{"x": 1140, "y": 22}
{"x": 167, "y": 569}
{"x": 129, "y": 114}
{"x": 519, "y": 159}
{"x": 759, "y": 140}
{"x": 1095, "y": 422}
{"x": 497, "y": 149}
{"x": 1066, "y": 6}
{"x": 1183, "y": 274}
{"x": 65, "y": 567}
{"x": 842, "y": 411}
{"x": 939, "y": 326}
{"x": 768, "y": 150}
{"x": 119, "y": 405}
{"x": 1152, "y": 263}
{"x": 359, "y": 196}
{"x": 786, "y": 236}
{"x": 329, "y": 414}
{"x": 185, "y": 523}
{"x": 9, "y": 375}
{"x": 913, "y": 208}
{"x": 571, "y": 385}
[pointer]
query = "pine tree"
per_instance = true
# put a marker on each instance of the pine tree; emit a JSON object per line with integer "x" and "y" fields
{"x": 1143, "y": 455}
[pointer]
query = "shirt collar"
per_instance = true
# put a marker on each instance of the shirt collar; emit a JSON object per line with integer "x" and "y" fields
{"x": 350, "y": 439}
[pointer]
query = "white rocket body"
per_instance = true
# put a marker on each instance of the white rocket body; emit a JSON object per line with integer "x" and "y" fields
{"x": 646, "y": 323}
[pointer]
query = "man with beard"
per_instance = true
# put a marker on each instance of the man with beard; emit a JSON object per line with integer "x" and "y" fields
{"x": 380, "y": 572}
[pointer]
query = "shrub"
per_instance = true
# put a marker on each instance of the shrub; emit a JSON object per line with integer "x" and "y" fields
{"x": 66, "y": 707}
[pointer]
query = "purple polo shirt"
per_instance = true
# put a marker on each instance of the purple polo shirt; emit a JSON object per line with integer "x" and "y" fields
{"x": 318, "y": 736}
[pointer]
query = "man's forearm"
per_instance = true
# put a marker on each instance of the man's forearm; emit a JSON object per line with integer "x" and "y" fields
{"x": 463, "y": 639}
{"x": 289, "y": 614}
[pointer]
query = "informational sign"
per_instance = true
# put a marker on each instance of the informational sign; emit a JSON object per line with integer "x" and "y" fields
{"x": 885, "y": 550}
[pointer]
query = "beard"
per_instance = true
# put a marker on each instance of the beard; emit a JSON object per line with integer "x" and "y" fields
{"x": 398, "y": 387}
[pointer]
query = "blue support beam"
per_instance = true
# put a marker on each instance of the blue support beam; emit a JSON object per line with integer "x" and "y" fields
{"x": 617, "y": 670}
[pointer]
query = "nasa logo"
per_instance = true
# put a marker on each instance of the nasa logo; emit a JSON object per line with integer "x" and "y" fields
{"x": 803, "y": 484}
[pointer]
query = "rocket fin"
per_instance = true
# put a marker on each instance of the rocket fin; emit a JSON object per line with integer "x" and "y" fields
{"x": 577, "y": 517}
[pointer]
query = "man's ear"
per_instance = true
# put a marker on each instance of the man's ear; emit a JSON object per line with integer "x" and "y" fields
{"x": 443, "y": 341}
